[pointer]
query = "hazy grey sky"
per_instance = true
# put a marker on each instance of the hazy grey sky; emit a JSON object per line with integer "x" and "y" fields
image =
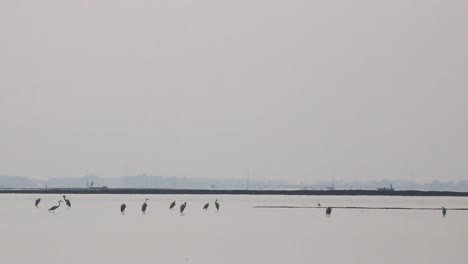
{"x": 295, "y": 90}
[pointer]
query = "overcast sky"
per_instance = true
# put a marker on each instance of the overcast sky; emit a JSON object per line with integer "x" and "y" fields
{"x": 292, "y": 90}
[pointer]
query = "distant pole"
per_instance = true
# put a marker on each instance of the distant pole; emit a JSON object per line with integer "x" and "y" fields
{"x": 87, "y": 181}
{"x": 248, "y": 179}
{"x": 412, "y": 181}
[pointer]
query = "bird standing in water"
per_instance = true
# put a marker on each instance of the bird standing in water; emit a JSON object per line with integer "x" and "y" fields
{"x": 53, "y": 208}
{"x": 444, "y": 211}
{"x": 172, "y": 205}
{"x": 144, "y": 206}
{"x": 182, "y": 208}
{"x": 206, "y": 206}
{"x": 37, "y": 202}
{"x": 67, "y": 202}
{"x": 122, "y": 208}
{"x": 217, "y": 205}
{"x": 328, "y": 212}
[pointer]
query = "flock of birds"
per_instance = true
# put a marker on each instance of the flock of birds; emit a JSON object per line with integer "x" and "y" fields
{"x": 328, "y": 211}
{"x": 53, "y": 208}
{"x": 124, "y": 206}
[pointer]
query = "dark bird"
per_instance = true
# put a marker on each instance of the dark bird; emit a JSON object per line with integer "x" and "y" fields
{"x": 206, "y": 206}
{"x": 329, "y": 210}
{"x": 444, "y": 211}
{"x": 37, "y": 202}
{"x": 52, "y": 209}
{"x": 122, "y": 208}
{"x": 217, "y": 205}
{"x": 182, "y": 208}
{"x": 319, "y": 204}
{"x": 143, "y": 207}
{"x": 67, "y": 202}
{"x": 172, "y": 205}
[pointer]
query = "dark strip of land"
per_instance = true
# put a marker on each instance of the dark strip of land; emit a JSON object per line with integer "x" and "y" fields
{"x": 230, "y": 192}
{"x": 357, "y": 207}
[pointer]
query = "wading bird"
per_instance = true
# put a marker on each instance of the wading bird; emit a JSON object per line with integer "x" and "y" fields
{"x": 206, "y": 206}
{"x": 172, "y": 205}
{"x": 122, "y": 208}
{"x": 37, "y": 202}
{"x": 319, "y": 204}
{"x": 328, "y": 212}
{"x": 217, "y": 205}
{"x": 67, "y": 202}
{"x": 182, "y": 208}
{"x": 53, "y": 208}
{"x": 143, "y": 207}
{"x": 444, "y": 211}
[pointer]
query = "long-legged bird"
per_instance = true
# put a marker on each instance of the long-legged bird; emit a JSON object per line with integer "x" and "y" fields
{"x": 328, "y": 212}
{"x": 444, "y": 211}
{"x": 217, "y": 205}
{"x": 122, "y": 208}
{"x": 38, "y": 200}
{"x": 144, "y": 206}
{"x": 172, "y": 205}
{"x": 67, "y": 202}
{"x": 182, "y": 208}
{"x": 53, "y": 208}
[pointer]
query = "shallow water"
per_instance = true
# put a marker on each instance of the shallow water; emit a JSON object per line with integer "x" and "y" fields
{"x": 94, "y": 231}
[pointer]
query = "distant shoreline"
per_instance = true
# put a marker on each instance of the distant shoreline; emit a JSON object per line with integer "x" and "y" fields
{"x": 229, "y": 192}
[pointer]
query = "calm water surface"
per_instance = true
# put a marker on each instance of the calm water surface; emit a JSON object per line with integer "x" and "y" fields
{"x": 94, "y": 231}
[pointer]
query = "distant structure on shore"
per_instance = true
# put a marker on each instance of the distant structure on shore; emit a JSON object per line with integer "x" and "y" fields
{"x": 385, "y": 189}
{"x": 95, "y": 183}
